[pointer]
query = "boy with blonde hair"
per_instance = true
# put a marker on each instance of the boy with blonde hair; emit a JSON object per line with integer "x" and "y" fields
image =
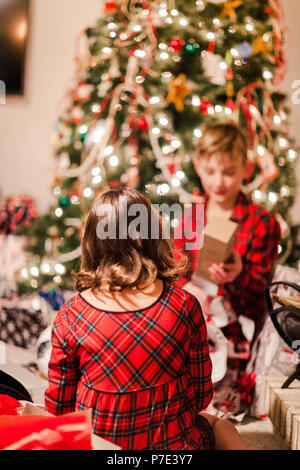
{"x": 221, "y": 163}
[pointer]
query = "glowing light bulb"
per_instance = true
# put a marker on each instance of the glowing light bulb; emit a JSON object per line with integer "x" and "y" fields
{"x": 210, "y": 36}
{"x": 107, "y": 50}
{"x": 234, "y": 52}
{"x": 154, "y": 100}
{"x": 285, "y": 191}
{"x": 175, "y": 182}
{"x": 139, "y": 53}
{"x": 83, "y": 129}
{"x": 58, "y": 212}
{"x": 249, "y": 27}
{"x": 197, "y": 133}
{"x": 183, "y": 22}
{"x": 267, "y": 74}
{"x": 108, "y": 150}
{"x": 292, "y": 155}
{"x": 96, "y": 108}
{"x": 96, "y": 171}
{"x": 137, "y": 28}
{"x": 156, "y": 131}
{"x": 163, "y": 189}
{"x": 282, "y": 142}
{"x": 175, "y": 143}
{"x": 87, "y": 192}
{"x": 164, "y": 55}
{"x": 60, "y": 268}
{"x": 163, "y": 12}
{"x": 260, "y": 150}
{"x": 257, "y": 195}
{"x": 216, "y": 22}
{"x": 34, "y": 271}
{"x": 277, "y": 119}
{"x": 45, "y": 268}
{"x": 24, "y": 273}
{"x": 166, "y": 149}
{"x": 273, "y": 197}
{"x": 97, "y": 179}
{"x": 114, "y": 161}
{"x": 163, "y": 121}
{"x": 180, "y": 174}
{"x": 196, "y": 101}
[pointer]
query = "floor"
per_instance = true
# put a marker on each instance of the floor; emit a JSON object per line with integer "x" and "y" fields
{"x": 257, "y": 434}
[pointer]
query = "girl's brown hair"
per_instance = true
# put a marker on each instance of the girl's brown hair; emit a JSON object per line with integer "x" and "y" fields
{"x": 223, "y": 138}
{"x": 120, "y": 261}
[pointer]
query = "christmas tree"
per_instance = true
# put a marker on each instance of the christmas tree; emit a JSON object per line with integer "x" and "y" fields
{"x": 149, "y": 76}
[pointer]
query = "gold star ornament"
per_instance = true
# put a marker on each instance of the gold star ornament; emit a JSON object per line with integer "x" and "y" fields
{"x": 261, "y": 47}
{"x": 229, "y": 9}
{"x": 178, "y": 92}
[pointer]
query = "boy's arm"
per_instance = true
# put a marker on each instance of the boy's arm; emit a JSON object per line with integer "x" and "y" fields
{"x": 259, "y": 263}
{"x": 199, "y": 363}
{"x": 63, "y": 369}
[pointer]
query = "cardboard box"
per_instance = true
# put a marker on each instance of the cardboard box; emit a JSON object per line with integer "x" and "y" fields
{"x": 219, "y": 239}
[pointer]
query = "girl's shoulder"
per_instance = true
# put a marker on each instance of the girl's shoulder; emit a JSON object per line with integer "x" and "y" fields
{"x": 68, "y": 310}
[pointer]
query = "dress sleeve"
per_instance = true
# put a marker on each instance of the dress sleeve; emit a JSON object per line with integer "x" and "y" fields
{"x": 199, "y": 362}
{"x": 63, "y": 369}
{"x": 259, "y": 263}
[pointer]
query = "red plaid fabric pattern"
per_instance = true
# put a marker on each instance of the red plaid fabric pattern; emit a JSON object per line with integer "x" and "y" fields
{"x": 145, "y": 374}
{"x": 257, "y": 241}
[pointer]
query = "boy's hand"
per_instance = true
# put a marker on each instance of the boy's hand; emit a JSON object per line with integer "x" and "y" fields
{"x": 222, "y": 273}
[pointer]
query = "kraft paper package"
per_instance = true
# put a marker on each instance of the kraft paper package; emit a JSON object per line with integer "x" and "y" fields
{"x": 219, "y": 239}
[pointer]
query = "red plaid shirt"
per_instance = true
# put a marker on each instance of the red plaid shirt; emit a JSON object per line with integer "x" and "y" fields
{"x": 257, "y": 241}
{"x": 146, "y": 374}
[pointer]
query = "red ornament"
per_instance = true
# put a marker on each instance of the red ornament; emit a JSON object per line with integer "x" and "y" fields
{"x": 110, "y": 7}
{"x": 230, "y": 104}
{"x": 211, "y": 46}
{"x": 229, "y": 74}
{"x": 142, "y": 124}
{"x": 268, "y": 10}
{"x": 133, "y": 50}
{"x": 205, "y": 105}
{"x": 115, "y": 184}
{"x": 176, "y": 43}
{"x": 172, "y": 168}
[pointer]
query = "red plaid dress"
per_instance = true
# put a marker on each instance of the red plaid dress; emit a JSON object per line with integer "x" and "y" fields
{"x": 257, "y": 241}
{"x": 145, "y": 374}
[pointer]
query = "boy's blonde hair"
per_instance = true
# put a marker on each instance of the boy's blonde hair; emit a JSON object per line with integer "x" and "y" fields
{"x": 223, "y": 138}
